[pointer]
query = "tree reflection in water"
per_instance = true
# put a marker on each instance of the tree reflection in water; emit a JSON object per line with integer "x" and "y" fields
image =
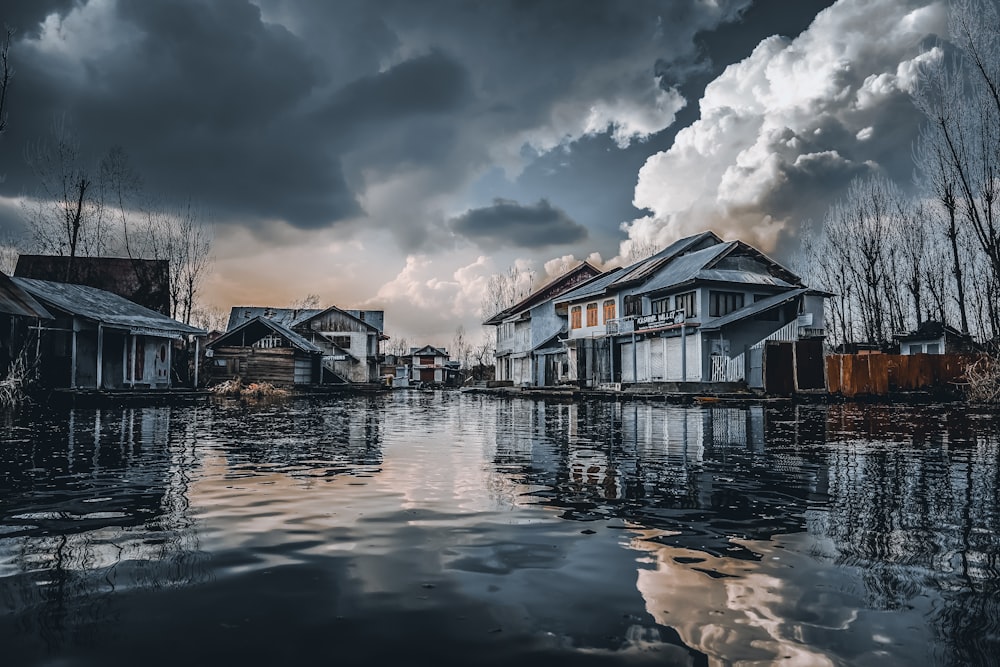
{"x": 903, "y": 500}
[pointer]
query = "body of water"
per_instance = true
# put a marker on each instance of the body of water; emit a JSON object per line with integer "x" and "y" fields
{"x": 451, "y": 529}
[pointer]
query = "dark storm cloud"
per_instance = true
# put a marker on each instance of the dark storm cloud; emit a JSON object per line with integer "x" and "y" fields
{"x": 301, "y": 112}
{"x": 508, "y": 223}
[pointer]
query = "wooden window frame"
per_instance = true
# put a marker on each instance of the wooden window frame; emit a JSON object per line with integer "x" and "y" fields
{"x": 688, "y": 302}
{"x": 609, "y": 309}
{"x": 721, "y": 303}
{"x": 576, "y": 317}
{"x": 592, "y": 314}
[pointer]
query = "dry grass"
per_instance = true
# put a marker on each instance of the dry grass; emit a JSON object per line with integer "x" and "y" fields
{"x": 983, "y": 380}
{"x": 13, "y": 388}
{"x": 255, "y": 390}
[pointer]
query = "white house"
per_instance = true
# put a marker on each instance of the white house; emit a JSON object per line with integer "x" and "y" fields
{"x": 699, "y": 310}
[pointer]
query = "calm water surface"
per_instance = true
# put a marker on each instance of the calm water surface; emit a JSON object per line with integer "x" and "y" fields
{"x": 440, "y": 528}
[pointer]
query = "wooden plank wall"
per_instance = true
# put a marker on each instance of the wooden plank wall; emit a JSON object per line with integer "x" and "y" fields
{"x": 274, "y": 365}
{"x": 879, "y": 374}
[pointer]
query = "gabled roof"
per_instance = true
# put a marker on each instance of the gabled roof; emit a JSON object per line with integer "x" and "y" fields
{"x": 15, "y": 301}
{"x": 596, "y": 286}
{"x": 259, "y": 327}
{"x": 104, "y": 307}
{"x": 428, "y": 349}
{"x": 755, "y": 308}
{"x": 686, "y": 267}
{"x": 142, "y": 281}
{"x": 931, "y": 329}
{"x": 644, "y": 268}
{"x": 288, "y": 317}
{"x": 584, "y": 271}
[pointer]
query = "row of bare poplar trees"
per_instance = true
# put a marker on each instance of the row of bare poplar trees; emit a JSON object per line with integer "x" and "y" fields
{"x": 894, "y": 260}
{"x": 87, "y": 208}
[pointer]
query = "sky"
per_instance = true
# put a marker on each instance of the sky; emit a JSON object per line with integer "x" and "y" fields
{"x": 392, "y": 154}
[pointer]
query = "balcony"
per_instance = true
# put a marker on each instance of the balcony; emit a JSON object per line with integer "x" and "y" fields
{"x": 621, "y": 325}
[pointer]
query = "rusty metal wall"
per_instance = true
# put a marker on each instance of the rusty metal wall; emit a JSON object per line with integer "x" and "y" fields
{"x": 880, "y": 374}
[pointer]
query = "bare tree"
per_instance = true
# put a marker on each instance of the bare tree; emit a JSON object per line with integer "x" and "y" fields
{"x": 210, "y": 318}
{"x": 397, "y": 346}
{"x": 958, "y": 152}
{"x": 640, "y": 249}
{"x": 66, "y": 208}
{"x": 461, "y": 349}
{"x": 309, "y": 301}
{"x": 505, "y": 289}
{"x": 6, "y": 72}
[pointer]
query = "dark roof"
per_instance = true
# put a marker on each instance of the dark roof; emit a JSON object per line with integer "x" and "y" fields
{"x": 932, "y": 329}
{"x": 15, "y": 301}
{"x": 644, "y": 268}
{"x": 584, "y": 271}
{"x": 596, "y": 286}
{"x": 142, "y": 281}
{"x": 755, "y": 308}
{"x": 103, "y": 306}
{"x": 261, "y": 326}
{"x": 290, "y": 317}
{"x": 437, "y": 351}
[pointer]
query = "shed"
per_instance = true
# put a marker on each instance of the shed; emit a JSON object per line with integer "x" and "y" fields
{"x": 101, "y": 340}
{"x": 262, "y": 350}
{"x": 933, "y": 337}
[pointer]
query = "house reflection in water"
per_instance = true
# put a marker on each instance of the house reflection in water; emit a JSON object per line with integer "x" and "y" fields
{"x": 812, "y": 534}
{"x": 95, "y": 503}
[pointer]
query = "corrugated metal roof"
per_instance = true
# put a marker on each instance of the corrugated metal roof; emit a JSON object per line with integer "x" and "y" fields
{"x": 101, "y": 306}
{"x": 754, "y": 309}
{"x": 685, "y": 267}
{"x": 595, "y": 286}
{"x": 285, "y": 316}
{"x": 16, "y": 301}
{"x": 646, "y": 267}
{"x": 288, "y": 317}
{"x": 741, "y": 277}
{"x": 539, "y": 295}
{"x": 295, "y": 339}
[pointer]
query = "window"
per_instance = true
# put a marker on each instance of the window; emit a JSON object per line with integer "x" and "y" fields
{"x": 686, "y": 303}
{"x": 342, "y": 341}
{"x": 633, "y": 305}
{"x": 574, "y": 317}
{"x": 591, "y": 314}
{"x": 723, "y": 303}
{"x": 933, "y": 348}
{"x": 609, "y": 310}
{"x": 660, "y": 306}
{"x": 270, "y": 341}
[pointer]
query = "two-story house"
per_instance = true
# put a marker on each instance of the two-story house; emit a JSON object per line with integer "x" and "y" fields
{"x": 699, "y": 310}
{"x": 529, "y": 335}
{"x": 350, "y": 340}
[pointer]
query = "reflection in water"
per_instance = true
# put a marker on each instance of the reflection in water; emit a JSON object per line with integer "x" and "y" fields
{"x": 458, "y": 529}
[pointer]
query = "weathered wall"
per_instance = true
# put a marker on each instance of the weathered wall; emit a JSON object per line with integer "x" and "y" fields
{"x": 880, "y": 374}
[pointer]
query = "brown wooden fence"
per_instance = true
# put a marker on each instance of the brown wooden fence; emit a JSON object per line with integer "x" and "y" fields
{"x": 880, "y": 374}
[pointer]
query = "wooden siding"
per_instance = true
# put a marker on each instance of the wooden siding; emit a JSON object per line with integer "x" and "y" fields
{"x": 276, "y": 365}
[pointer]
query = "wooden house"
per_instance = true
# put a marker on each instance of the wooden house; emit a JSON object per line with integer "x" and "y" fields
{"x": 262, "y": 350}
{"x": 349, "y": 339}
{"x": 100, "y": 340}
{"x": 18, "y": 311}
